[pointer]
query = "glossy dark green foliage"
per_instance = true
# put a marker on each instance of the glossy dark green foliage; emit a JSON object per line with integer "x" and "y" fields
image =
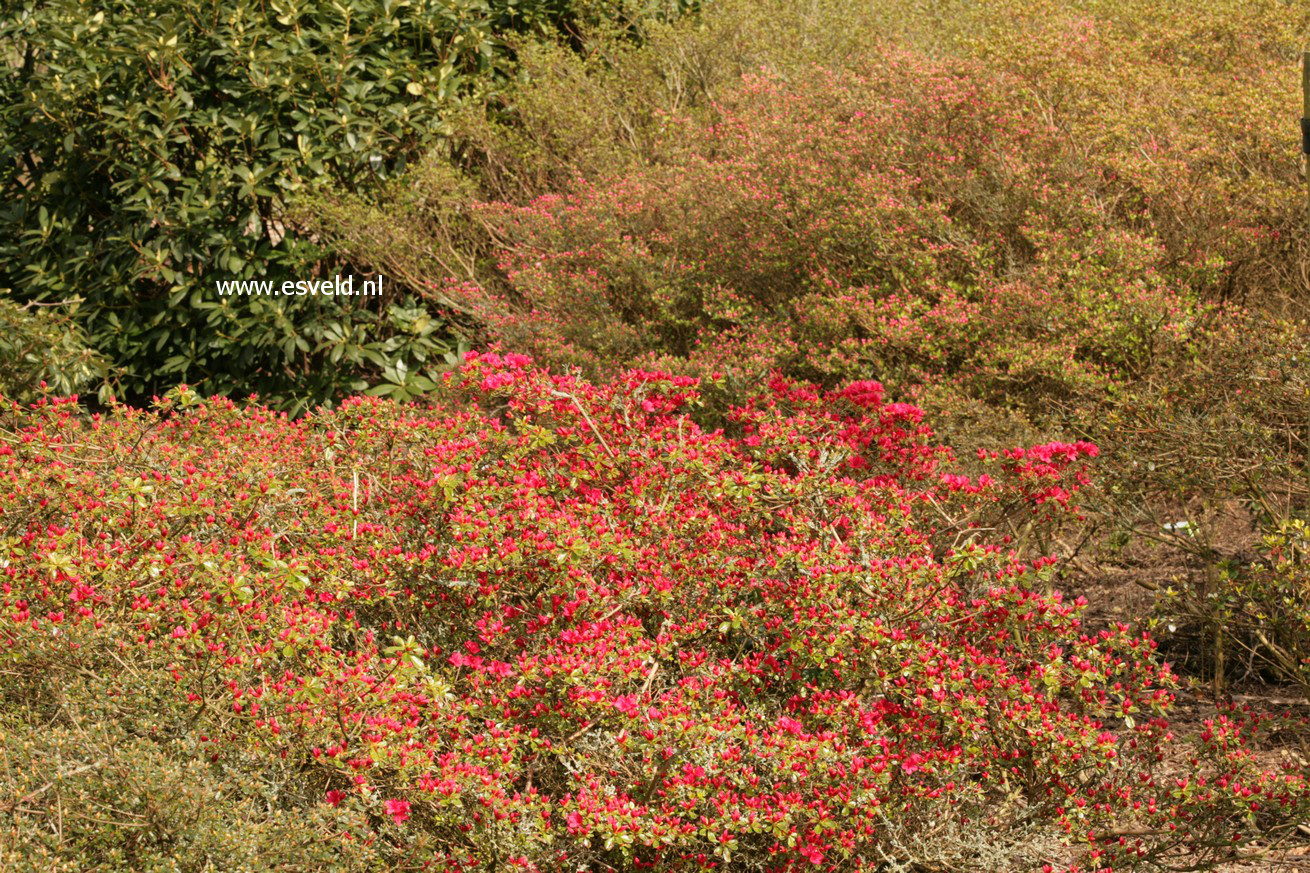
{"x": 151, "y": 148}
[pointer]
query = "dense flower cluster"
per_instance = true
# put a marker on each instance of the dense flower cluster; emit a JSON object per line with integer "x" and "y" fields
{"x": 553, "y": 624}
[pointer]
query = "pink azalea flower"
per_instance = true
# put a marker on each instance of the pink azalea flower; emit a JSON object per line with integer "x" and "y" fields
{"x": 397, "y": 809}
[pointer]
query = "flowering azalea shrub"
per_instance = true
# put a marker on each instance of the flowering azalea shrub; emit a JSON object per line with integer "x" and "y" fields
{"x": 900, "y": 220}
{"x": 556, "y": 624}
{"x": 1170, "y": 118}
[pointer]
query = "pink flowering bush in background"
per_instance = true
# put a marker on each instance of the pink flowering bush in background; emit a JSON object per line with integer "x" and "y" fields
{"x": 551, "y": 623}
{"x": 900, "y": 219}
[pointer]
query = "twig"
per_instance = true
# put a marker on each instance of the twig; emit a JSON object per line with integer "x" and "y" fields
{"x": 579, "y": 732}
{"x": 650, "y": 677}
{"x": 591, "y": 423}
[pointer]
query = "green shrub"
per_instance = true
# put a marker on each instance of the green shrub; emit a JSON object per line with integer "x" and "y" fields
{"x": 101, "y": 773}
{"x": 155, "y": 148}
{"x": 45, "y": 345}
{"x": 1276, "y": 604}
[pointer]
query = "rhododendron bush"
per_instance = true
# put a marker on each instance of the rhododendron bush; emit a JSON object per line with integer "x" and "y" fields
{"x": 555, "y": 624}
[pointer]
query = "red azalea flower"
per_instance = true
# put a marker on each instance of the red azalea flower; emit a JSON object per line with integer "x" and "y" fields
{"x": 397, "y": 809}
